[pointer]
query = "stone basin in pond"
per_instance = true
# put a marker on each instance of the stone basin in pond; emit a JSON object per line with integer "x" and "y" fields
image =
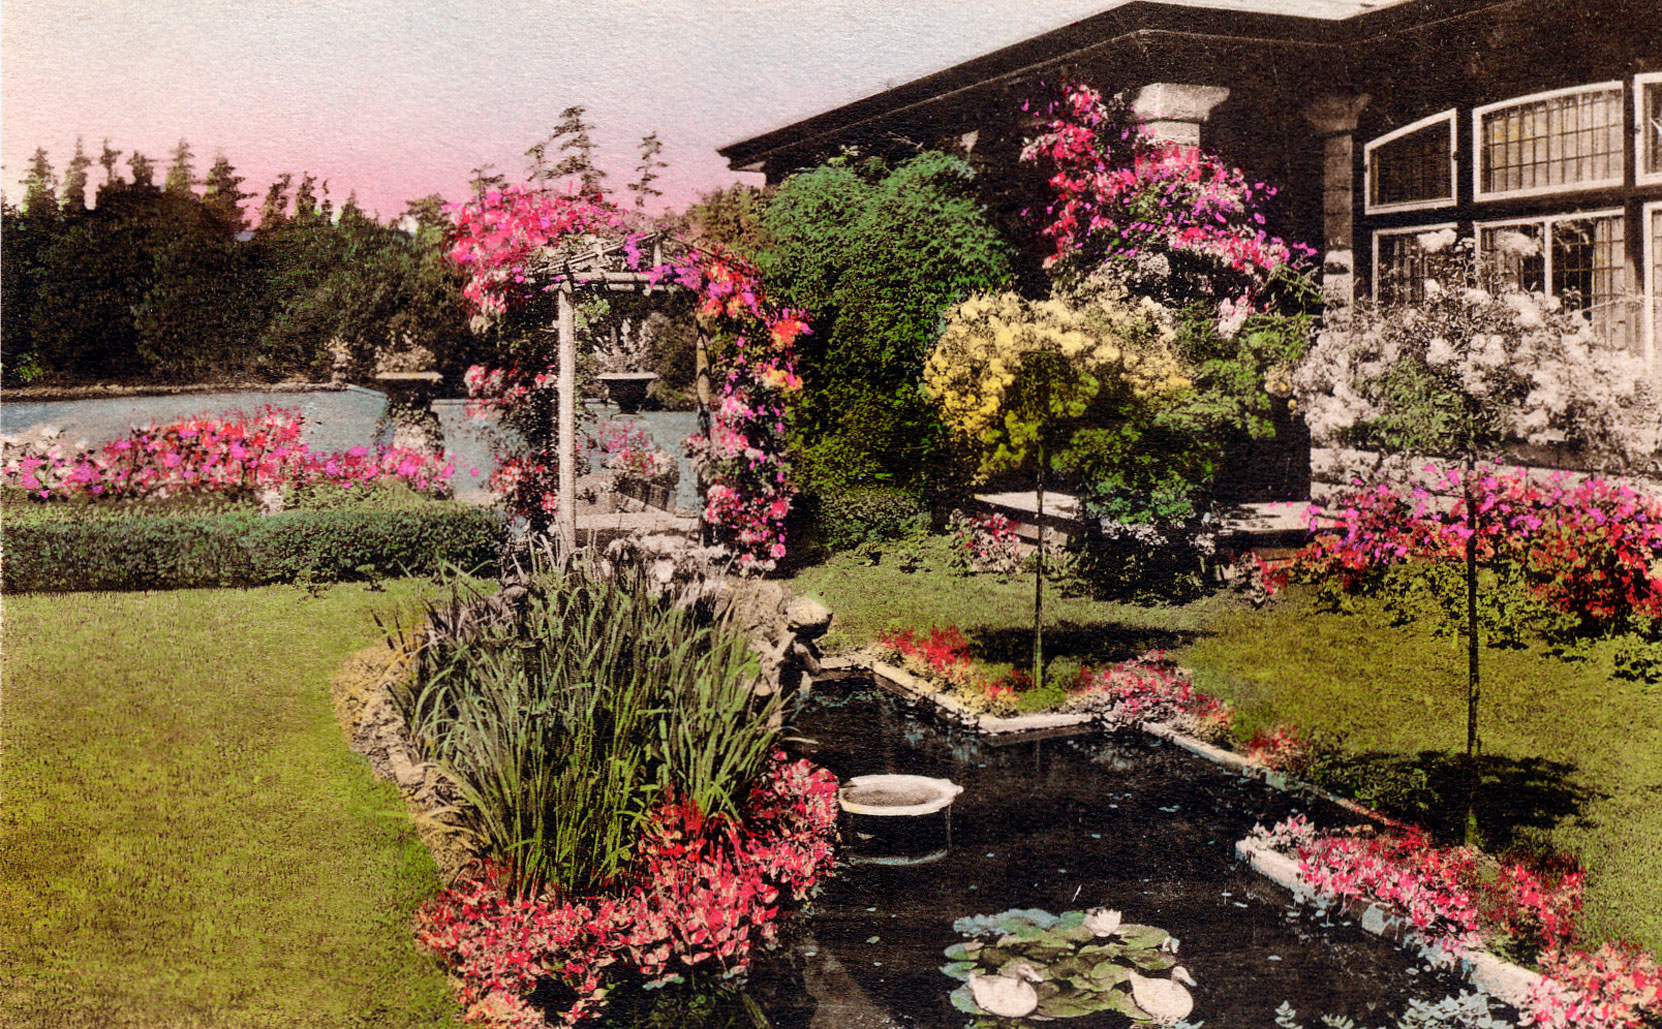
{"x": 897, "y": 795}
{"x": 897, "y": 819}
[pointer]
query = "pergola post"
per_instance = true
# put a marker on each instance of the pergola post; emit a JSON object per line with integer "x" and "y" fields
{"x": 567, "y": 520}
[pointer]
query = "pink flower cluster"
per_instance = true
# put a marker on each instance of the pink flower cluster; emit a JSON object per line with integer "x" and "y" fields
{"x": 498, "y": 234}
{"x": 702, "y": 894}
{"x": 631, "y": 450}
{"x": 987, "y": 544}
{"x": 232, "y": 452}
{"x": 1592, "y": 547}
{"x": 1613, "y": 987}
{"x": 1121, "y": 194}
{"x": 748, "y": 489}
{"x": 1148, "y": 688}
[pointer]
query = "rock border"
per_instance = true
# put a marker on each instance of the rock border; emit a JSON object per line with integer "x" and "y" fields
{"x": 1507, "y": 982}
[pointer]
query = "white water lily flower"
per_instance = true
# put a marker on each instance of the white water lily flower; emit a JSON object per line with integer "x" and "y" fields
{"x": 1102, "y": 921}
{"x": 1006, "y": 996}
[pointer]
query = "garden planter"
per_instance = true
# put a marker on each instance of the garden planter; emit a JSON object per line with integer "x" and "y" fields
{"x": 627, "y": 389}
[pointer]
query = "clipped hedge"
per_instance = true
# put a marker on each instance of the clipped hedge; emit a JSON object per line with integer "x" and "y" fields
{"x": 244, "y": 549}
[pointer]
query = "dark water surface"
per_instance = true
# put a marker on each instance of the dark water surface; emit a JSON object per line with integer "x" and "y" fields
{"x": 1123, "y": 821}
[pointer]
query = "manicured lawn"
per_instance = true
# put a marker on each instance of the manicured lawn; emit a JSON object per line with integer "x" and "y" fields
{"x": 185, "y": 839}
{"x": 1572, "y": 757}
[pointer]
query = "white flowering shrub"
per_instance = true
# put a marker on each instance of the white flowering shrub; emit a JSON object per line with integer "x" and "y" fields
{"x": 1476, "y": 363}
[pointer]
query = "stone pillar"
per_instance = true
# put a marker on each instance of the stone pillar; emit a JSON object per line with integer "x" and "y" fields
{"x": 1334, "y": 119}
{"x": 1175, "y": 111}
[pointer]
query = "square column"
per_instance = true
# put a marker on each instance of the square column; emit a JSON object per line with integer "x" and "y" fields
{"x": 1334, "y": 120}
{"x": 1174, "y": 112}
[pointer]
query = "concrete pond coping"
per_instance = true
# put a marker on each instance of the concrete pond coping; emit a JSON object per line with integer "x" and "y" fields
{"x": 1503, "y": 980}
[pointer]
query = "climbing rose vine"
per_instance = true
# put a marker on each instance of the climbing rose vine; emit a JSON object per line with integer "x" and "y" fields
{"x": 748, "y": 489}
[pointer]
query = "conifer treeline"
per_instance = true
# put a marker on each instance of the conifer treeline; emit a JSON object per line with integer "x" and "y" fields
{"x": 167, "y": 282}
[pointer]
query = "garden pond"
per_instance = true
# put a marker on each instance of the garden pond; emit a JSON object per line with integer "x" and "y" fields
{"x": 1068, "y": 824}
{"x": 335, "y": 420}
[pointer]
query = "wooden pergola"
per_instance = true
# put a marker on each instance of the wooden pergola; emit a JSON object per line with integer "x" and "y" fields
{"x": 603, "y": 266}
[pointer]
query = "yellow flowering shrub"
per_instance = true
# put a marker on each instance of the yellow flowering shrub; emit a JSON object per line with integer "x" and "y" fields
{"x": 1007, "y": 369}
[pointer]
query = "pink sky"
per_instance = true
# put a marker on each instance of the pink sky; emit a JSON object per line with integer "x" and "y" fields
{"x": 395, "y": 99}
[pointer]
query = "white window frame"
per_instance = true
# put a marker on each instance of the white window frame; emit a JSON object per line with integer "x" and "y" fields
{"x": 1479, "y": 150}
{"x": 1415, "y": 230}
{"x": 1369, "y": 207}
{"x": 1651, "y": 285}
{"x": 1640, "y": 175}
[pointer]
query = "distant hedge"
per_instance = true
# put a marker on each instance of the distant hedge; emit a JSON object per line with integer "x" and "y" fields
{"x": 243, "y": 549}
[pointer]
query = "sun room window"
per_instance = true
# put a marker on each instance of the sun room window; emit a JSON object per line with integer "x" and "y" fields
{"x": 1400, "y": 265}
{"x": 1647, "y": 120}
{"x": 1549, "y": 142}
{"x": 1413, "y": 167}
{"x": 1578, "y": 258}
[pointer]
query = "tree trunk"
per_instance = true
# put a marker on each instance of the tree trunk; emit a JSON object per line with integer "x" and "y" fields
{"x": 1039, "y": 580}
{"x": 1473, "y": 684}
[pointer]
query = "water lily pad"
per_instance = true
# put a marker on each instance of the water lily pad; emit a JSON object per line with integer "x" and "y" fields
{"x": 964, "y": 951}
{"x": 1074, "y": 1004}
{"x": 964, "y": 1001}
{"x": 1006, "y": 922}
{"x": 959, "y": 970}
{"x": 1133, "y": 935}
{"x": 1070, "y": 920}
{"x": 1110, "y": 973}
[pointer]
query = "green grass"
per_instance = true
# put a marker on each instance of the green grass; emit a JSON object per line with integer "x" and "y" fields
{"x": 185, "y": 839}
{"x": 996, "y": 614}
{"x": 1572, "y": 756}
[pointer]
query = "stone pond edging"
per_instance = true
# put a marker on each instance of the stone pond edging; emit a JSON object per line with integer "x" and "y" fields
{"x": 1503, "y": 980}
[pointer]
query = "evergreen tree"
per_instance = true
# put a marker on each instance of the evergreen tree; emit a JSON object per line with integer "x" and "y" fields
{"x": 274, "y": 208}
{"x": 181, "y": 174}
{"x": 482, "y": 180}
{"x": 75, "y": 180}
{"x": 305, "y": 198}
{"x": 108, "y": 158}
{"x": 647, "y": 170}
{"x": 144, "y": 171}
{"x": 578, "y": 146}
{"x": 222, "y": 194}
{"x": 40, "y": 185}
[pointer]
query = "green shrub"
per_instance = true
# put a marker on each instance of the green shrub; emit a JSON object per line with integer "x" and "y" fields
{"x": 565, "y": 723}
{"x": 151, "y": 552}
{"x": 845, "y": 519}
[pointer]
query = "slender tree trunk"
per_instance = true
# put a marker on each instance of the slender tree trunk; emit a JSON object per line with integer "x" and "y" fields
{"x": 1473, "y": 683}
{"x": 1039, "y": 581}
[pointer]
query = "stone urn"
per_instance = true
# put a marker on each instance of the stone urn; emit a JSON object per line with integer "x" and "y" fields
{"x": 410, "y": 409}
{"x": 627, "y": 389}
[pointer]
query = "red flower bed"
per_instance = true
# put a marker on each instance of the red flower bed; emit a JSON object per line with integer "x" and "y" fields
{"x": 703, "y": 893}
{"x": 943, "y": 657}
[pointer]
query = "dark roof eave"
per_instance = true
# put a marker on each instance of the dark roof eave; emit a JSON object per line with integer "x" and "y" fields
{"x": 1071, "y": 41}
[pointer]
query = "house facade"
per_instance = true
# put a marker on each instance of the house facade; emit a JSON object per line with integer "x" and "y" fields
{"x": 1377, "y": 119}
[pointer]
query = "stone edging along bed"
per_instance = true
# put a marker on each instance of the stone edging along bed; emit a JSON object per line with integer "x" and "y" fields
{"x": 1503, "y": 980}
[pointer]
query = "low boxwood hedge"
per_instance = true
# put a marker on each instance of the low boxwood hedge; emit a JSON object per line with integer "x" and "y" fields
{"x": 244, "y": 549}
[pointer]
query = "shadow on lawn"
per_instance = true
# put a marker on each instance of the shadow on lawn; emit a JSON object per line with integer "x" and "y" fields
{"x": 1516, "y": 802}
{"x": 1086, "y": 644}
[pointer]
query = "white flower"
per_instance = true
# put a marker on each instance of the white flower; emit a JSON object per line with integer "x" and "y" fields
{"x": 1102, "y": 921}
{"x": 1439, "y": 353}
{"x": 1431, "y": 242}
{"x": 1474, "y": 297}
{"x": 1517, "y": 244}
